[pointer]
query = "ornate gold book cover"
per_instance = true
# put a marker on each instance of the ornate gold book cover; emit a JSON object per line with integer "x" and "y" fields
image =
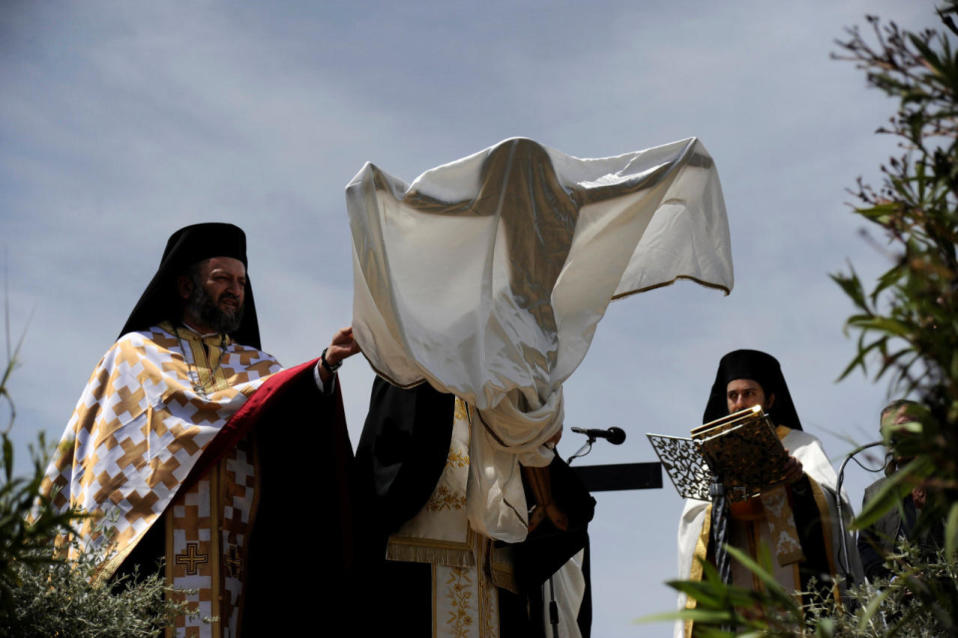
{"x": 744, "y": 450}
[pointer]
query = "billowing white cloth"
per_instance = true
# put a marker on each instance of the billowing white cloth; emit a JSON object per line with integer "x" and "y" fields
{"x": 486, "y": 277}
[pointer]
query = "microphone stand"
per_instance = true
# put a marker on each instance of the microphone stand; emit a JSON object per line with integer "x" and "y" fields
{"x": 553, "y": 606}
{"x": 584, "y": 450}
{"x": 615, "y": 436}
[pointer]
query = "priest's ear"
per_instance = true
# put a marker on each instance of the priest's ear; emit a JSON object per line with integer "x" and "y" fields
{"x": 769, "y": 402}
{"x": 184, "y": 287}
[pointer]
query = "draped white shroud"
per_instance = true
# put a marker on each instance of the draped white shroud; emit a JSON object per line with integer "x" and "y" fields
{"x": 486, "y": 277}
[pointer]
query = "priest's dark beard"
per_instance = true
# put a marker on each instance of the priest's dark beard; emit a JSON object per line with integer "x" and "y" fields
{"x": 202, "y": 306}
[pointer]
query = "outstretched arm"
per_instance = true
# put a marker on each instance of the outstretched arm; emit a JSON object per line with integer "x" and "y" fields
{"x": 341, "y": 347}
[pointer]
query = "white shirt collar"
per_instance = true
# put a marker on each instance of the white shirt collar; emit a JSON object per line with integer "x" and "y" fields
{"x": 202, "y": 335}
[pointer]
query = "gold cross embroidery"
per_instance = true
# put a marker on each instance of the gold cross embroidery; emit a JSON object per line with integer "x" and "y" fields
{"x": 191, "y": 558}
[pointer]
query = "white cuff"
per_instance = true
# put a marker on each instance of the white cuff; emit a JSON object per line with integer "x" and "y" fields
{"x": 319, "y": 380}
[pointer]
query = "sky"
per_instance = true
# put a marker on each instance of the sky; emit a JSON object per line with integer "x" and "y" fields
{"x": 121, "y": 122}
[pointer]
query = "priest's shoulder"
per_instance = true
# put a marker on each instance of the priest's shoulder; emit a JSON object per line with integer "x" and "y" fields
{"x": 158, "y": 335}
{"x": 164, "y": 337}
{"x": 794, "y": 437}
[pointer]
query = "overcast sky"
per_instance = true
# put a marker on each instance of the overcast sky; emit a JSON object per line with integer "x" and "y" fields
{"x": 122, "y": 121}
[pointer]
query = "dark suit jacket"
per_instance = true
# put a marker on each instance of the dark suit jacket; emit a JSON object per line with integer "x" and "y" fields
{"x": 881, "y": 538}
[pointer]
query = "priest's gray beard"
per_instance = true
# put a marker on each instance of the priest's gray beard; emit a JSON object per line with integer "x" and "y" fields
{"x": 203, "y": 306}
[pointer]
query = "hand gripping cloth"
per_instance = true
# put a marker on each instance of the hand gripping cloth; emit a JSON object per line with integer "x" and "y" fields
{"x": 486, "y": 278}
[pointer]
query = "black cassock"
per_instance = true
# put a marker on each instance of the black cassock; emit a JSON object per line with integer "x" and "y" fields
{"x": 400, "y": 457}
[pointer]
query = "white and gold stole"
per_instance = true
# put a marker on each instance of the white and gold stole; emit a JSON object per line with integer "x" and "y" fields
{"x": 464, "y": 596}
{"x": 207, "y": 534}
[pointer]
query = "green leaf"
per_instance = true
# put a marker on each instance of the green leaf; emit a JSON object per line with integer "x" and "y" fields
{"x": 881, "y": 324}
{"x": 666, "y": 616}
{"x": 890, "y": 495}
{"x": 7, "y": 458}
{"x": 889, "y": 278}
{"x": 881, "y": 214}
{"x": 872, "y": 607}
{"x": 852, "y": 286}
{"x": 703, "y": 593}
{"x": 926, "y": 52}
{"x": 890, "y": 360}
{"x": 695, "y": 615}
{"x": 772, "y": 586}
{"x": 859, "y": 359}
{"x": 951, "y": 533}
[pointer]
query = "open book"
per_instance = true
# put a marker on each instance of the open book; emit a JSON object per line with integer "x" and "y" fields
{"x": 741, "y": 448}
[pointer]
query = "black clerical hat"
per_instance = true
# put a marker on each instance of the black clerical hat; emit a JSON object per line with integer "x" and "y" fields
{"x": 762, "y": 368}
{"x": 186, "y": 247}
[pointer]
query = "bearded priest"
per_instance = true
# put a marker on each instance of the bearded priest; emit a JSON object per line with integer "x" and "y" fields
{"x": 188, "y": 443}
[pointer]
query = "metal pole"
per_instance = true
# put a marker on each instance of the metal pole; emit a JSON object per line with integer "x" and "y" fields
{"x": 843, "y": 556}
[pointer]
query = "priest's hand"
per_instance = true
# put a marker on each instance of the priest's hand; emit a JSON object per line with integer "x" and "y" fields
{"x": 540, "y": 480}
{"x": 550, "y": 511}
{"x": 793, "y": 470}
{"x": 341, "y": 347}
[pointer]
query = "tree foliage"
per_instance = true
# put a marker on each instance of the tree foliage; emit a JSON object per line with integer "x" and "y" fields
{"x": 917, "y": 600}
{"x": 906, "y": 328}
{"x": 907, "y": 319}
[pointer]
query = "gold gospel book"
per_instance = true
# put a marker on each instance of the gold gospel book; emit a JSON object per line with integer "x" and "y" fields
{"x": 744, "y": 450}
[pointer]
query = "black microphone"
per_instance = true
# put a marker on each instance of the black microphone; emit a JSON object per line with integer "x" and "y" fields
{"x": 615, "y": 436}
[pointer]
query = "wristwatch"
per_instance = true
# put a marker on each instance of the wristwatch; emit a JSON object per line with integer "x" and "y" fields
{"x": 330, "y": 368}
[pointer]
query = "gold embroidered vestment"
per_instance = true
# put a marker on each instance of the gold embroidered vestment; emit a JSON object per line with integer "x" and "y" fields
{"x": 153, "y": 404}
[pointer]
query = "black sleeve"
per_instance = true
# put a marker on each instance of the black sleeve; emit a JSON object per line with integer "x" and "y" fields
{"x": 304, "y": 523}
{"x": 808, "y": 520}
{"x": 874, "y": 542}
{"x": 546, "y": 548}
{"x": 402, "y": 451}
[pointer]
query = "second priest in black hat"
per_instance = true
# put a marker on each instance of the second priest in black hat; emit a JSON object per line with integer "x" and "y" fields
{"x": 812, "y": 550}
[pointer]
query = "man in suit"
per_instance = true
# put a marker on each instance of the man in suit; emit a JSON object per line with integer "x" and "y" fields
{"x": 880, "y": 539}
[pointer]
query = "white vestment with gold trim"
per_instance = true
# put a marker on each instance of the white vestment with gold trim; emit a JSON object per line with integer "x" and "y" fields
{"x": 467, "y": 569}
{"x": 693, "y": 534}
{"x": 154, "y": 402}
